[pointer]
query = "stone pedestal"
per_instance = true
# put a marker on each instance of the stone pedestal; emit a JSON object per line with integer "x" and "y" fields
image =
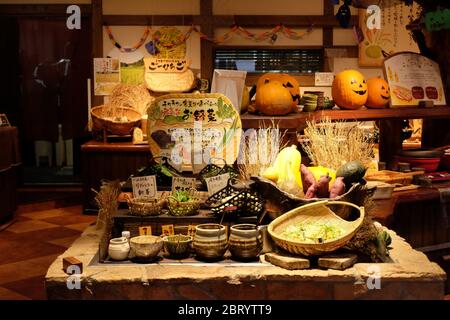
{"x": 411, "y": 276}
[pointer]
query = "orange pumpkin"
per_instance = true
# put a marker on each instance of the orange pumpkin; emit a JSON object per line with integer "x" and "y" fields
{"x": 379, "y": 93}
{"x": 273, "y": 99}
{"x": 349, "y": 89}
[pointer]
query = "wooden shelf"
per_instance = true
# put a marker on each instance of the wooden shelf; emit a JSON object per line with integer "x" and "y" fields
{"x": 297, "y": 121}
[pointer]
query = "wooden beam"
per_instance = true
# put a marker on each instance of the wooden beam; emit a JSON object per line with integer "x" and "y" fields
{"x": 97, "y": 41}
{"x": 207, "y": 47}
{"x": 44, "y": 10}
{"x": 224, "y": 21}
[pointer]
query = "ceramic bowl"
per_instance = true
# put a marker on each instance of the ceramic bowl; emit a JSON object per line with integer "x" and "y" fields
{"x": 210, "y": 241}
{"x": 146, "y": 247}
{"x": 178, "y": 246}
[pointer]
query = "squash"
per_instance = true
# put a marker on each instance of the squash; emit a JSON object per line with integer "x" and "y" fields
{"x": 379, "y": 93}
{"x": 273, "y": 99}
{"x": 349, "y": 89}
{"x": 245, "y": 99}
{"x": 352, "y": 171}
{"x": 272, "y": 91}
{"x": 286, "y": 168}
{"x": 320, "y": 171}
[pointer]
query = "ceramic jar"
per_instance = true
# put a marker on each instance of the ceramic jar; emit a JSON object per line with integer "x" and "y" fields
{"x": 118, "y": 248}
{"x": 245, "y": 241}
{"x": 210, "y": 241}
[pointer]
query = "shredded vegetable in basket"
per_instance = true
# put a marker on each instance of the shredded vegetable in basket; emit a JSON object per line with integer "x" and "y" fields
{"x": 312, "y": 232}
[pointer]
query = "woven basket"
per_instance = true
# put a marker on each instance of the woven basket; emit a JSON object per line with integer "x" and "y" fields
{"x": 146, "y": 207}
{"x": 115, "y": 127}
{"x": 181, "y": 209}
{"x": 315, "y": 212}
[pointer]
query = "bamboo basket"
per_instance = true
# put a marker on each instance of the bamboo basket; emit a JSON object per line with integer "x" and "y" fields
{"x": 145, "y": 207}
{"x": 315, "y": 212}
{"x": 181, "y": 209}
{"x": 115, "y": 127}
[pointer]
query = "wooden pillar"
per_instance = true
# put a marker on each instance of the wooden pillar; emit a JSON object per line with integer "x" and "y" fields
{"x": 390, "y": 140}
{"x": 207, "y": 47}
{"x": 328, "y": 11}
{"x": 97, "y": 42}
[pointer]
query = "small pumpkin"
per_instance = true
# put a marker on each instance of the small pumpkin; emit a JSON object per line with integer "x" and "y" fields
{"x": 273, "y": 99}
{"x": 379, "y": 93}
{"x": 276, "y": 94}
{"x": 349, "y": 89}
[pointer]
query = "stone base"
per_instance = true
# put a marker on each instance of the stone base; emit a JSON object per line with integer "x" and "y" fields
{"x": 411, "y": 276}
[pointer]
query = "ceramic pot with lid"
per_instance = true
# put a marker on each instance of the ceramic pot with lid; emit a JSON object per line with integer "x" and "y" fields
{"x": 118, "y": 248}
{"x": 210, "y": 241}
{"x": 245, "y": 241}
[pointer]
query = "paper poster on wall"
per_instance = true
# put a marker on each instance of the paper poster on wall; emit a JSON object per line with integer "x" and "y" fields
{"x": 413, "y": 78}
{"x": 106, "y": 75}
{"x": 391, "y": 38}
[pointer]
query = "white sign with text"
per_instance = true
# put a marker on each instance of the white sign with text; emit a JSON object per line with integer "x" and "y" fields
{"x": 217, "y": 183}
{"x": 144, "y": 186}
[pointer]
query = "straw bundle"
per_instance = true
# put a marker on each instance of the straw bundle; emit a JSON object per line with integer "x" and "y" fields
{"x": 131, "y": 96}
{"x": 332, "y": 144}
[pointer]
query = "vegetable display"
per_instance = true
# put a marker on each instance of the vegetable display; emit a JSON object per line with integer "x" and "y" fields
{"x": 312, "y": 232}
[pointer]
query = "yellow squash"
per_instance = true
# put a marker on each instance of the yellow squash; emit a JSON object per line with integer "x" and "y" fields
{"x": 286, "y": 168}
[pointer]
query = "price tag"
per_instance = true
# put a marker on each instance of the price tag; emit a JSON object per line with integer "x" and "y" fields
{"x": 145, "y": 231}
{"x": 324, "y": 79}
{"x": 183, "y": 184}
{"x": 144, "y": 186}
{"x": 217, "y": 183}
{"x": 167, "y": 230}
{"x": 191, "y": 230}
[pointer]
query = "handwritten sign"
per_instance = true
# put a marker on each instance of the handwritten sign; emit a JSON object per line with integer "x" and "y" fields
{"x": 165, "y": 65}
{"x": 191, "y": 230}
{"x": 144, "y": 186}
{"x": 145, "y": 231}
{"x": 183, "y": 184}
{"x": 217, "y": 183}
{"x": 167, "y": 230}
{"x": 323, "y": 79}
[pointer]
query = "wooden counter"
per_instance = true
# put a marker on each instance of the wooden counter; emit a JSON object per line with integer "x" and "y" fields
{"x": 110, "y": 161}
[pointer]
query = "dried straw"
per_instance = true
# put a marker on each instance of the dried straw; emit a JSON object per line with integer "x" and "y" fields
{"x": 106, "y": 200}
{"x": 131, "y": 96}
{"x": 332, "y": 144}
{"x": 262, "y": 144}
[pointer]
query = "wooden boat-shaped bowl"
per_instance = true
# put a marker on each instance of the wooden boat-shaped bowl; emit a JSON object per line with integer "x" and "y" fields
{"x": 279, "y": 201}
{"x": 319, "y": 212}
{"x": 121, "y": 128}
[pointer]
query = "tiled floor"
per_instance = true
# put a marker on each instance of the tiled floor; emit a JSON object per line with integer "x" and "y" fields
{"x": 28, "y": 246}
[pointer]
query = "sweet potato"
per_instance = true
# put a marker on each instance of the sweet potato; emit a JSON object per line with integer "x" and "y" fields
{"x": 338, "y": 188}
{"x": 312, "y": 191}
{"x": 322, "y": 186}
{"x": 308, "y": 178}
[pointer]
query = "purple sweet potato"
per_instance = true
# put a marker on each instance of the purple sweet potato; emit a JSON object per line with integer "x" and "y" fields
{"x": 338, "y": 188}
{"x": 312, "y": 191}
{"x": 322, "y": 186}
{"x": 308, "y": 178}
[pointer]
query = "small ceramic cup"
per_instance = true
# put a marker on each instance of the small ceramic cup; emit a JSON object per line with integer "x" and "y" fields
{"x": 245, "y": 242}
{"x": 119, "y": 248}
{"x": 210, "y": 241}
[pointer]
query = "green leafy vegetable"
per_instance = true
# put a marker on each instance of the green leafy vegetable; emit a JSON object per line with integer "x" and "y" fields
{"x": 312, "y": 232}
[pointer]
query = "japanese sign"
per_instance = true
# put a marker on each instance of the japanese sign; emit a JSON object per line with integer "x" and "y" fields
{"x": 165, "y": 65}
{"x": 183, "y": 184}
{"x": 106, "y": 75}
{"x": 167, "y": 230}
{"x": 413, "y": 78}
{"x": 144, "y": 186}
{"x": 217, "y": 183}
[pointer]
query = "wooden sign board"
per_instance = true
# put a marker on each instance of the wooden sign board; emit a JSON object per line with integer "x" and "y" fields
{"x": 165, "y": 65}
{"x": 413, "y": 78}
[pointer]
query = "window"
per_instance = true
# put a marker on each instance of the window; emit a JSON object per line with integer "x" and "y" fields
{"x": 303, "y": 61}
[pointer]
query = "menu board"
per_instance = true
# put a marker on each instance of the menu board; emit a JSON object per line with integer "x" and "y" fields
{"x": 413, "y": 78}
{"x": 392, "y": 37}
{"x": 106, "y": 75}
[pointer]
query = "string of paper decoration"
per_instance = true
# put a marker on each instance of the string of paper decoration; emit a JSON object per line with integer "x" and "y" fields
{"x": 270, "y": 35}
{"x": 133, "y": 48}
